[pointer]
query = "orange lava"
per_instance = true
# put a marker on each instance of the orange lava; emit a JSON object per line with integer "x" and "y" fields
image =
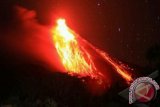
{"x": 76, "y": 59}
{"x": 119, "y": 67}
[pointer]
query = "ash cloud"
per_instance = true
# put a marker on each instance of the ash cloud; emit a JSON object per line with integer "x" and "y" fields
{"x": 23, "y": 37}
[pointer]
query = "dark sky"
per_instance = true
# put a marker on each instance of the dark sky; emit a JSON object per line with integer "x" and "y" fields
{"x": 125, "y": 29}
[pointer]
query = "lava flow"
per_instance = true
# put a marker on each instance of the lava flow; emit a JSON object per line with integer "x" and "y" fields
{"x": 75, "y": 58}
{"x": 78, "y": 60}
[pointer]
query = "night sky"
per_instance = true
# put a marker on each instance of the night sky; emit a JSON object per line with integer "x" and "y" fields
{"x": 126, "y": 29}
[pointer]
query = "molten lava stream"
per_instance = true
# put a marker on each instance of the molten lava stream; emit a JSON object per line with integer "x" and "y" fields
{"x": 120, "y": 68}
{"x": 77, "y": 59}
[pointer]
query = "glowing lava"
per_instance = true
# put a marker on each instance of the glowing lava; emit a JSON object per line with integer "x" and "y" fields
{"x": 76, "y": 59}
{"x": 119, "y": 67}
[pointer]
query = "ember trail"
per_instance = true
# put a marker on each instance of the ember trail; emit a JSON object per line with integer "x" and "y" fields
{"x": 76, "y": 59}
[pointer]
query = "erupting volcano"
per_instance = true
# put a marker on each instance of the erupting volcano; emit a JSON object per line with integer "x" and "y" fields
{"x": 77, "y": 59}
